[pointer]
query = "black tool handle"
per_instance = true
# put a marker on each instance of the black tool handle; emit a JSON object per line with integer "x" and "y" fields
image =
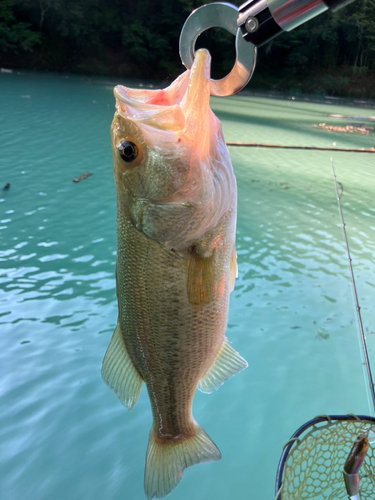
{"x": 262, "y": 20}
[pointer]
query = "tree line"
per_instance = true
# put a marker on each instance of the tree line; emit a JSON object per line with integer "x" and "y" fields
{"x": 335, "y": 52}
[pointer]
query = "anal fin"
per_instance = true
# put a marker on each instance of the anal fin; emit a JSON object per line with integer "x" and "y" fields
{"x": 227, "y": 363}
{"x": 119, "y": 373}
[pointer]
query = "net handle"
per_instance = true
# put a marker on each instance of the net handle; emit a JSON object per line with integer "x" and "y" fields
{"x": 295, "y": 436}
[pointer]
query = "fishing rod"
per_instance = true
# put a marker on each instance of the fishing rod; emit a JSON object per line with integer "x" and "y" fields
{"x": 314, "y": 148}
{"x": 363, "y": 338}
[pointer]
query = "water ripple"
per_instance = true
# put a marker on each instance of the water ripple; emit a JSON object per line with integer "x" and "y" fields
{"x": 63, "y": 433}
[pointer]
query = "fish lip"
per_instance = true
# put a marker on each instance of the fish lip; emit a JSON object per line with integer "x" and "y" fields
{"x": 134, "y": 105}
{"x": 176, "y": 94}
{"x": 135, "y": 97}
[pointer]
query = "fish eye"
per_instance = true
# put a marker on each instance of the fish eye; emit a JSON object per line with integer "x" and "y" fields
{"x": 128, "y": 151}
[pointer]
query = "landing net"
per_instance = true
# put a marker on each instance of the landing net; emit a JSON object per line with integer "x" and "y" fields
{"x": 312, "y": 463}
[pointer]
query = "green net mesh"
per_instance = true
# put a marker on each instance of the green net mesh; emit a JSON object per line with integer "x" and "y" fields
{"x": 315, "y": 463}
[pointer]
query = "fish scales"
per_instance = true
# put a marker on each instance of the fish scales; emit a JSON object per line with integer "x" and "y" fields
{"x": 176, "y": 265}
{"x": 171, "y": 344}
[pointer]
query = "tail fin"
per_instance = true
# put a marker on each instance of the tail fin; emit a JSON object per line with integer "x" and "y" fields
{"x": 166, "y": 461}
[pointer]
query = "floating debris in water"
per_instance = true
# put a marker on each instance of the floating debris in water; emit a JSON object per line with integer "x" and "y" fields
{"x": 6, "y": 187}
{"x": 347, "y": 129}
{"x": 322, "y": 334}
{"x": 82, "y": 176}
{"x": 4, "y": 70}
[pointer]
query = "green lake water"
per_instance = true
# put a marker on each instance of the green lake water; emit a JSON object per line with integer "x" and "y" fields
{"x": 63, "y": 433}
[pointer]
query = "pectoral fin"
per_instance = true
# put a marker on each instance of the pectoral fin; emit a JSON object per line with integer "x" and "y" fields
{"x": 119, "y": 373}
{"x": 201, "y": 279}
{"x": 233, "y": 273}
{"x": 227, "y": 363}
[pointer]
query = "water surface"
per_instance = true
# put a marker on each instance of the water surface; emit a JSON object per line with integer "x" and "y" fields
{"x": 63, "y": 433}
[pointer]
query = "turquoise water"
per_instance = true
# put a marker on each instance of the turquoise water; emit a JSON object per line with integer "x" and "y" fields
{"x": 63, "y": 433}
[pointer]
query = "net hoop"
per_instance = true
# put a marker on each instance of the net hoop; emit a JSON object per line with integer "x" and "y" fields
{"x": 294, "y": 442}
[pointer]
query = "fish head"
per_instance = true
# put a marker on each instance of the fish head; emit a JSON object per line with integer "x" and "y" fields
{"x": 150, "y": 162}
{"x": 171, "y": 166}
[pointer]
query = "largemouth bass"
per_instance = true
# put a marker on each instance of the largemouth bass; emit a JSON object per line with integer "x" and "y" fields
{"x": 357, "y": 455}
{"x": 353, "y": 463}
{"x": 176, "y": 265}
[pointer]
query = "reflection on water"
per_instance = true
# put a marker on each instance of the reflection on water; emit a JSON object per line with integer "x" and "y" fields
{"x": 63, "y": 434}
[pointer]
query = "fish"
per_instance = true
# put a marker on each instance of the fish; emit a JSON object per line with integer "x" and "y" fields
{"x": 357, "y": 454}
{"x": 176, "y": 265}
{"x": 353, "y": 463}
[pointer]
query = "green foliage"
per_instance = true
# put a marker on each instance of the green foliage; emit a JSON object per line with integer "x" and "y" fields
{"x": 331, "y": 40}
{"x": 140, "y": 39}
{"x": 15, "y": 35}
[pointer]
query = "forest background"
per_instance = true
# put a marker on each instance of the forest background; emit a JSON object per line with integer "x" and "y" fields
{"x": 332, "y": 54}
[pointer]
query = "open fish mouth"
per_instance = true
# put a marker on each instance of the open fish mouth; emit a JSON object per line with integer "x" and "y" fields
{"x": 170, "y": 108}
{"x": 178, "y": 129}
